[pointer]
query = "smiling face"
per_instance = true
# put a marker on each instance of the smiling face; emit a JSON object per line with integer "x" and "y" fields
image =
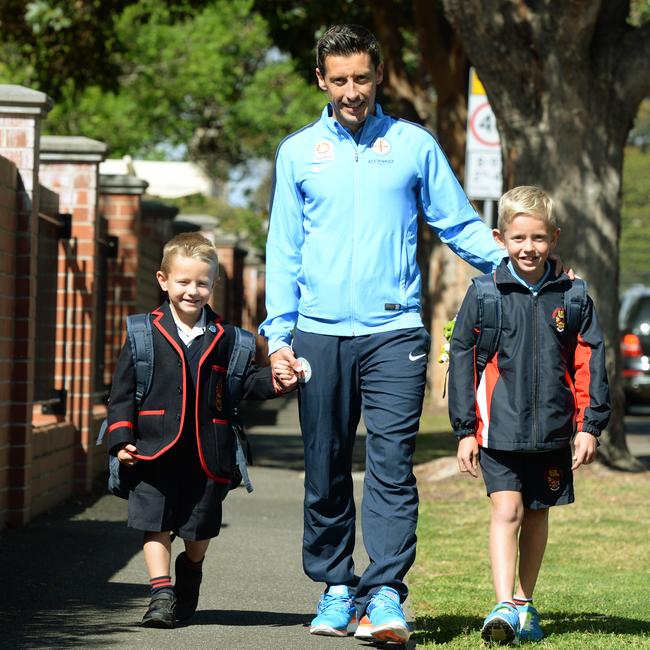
{"x": 351, "y": 84}
{"x": 188, "y": 284}
{"x": 528, "y": 240}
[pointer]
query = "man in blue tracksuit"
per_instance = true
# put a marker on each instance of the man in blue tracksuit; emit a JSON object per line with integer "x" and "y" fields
{"x": 343, "y": 295}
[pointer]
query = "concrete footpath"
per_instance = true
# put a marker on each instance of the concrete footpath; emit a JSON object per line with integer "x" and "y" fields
{"x": 75, "y": 578}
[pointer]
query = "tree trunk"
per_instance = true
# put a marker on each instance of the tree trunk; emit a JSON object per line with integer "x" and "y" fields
{"x": 563, "y": 122}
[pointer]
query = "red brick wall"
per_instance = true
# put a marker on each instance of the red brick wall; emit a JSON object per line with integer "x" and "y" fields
{"x": 122, "y": 212}
{"x": 19, "y": 137}
{"x": 254, "y": 312}
{"x": 53, "y": 436}
{"x": 7, "y": 284}
{"x": 77, "y": 186}
{"x": 228, "y": 295}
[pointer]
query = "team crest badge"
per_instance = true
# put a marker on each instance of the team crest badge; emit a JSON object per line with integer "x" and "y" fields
{"x": 323, "y": 151}
{"x": 553, "y": 476}
{"x": 381, "y": 147}
{"x": 218, "y": 394}
{"x": 559, "y": 316}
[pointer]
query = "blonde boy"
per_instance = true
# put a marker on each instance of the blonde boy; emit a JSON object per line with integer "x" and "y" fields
{"x": 544, "y": 388}
{"x": 178, "y": 441}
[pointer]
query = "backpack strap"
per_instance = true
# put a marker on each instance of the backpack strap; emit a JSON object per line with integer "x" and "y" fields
{"x": 489, "y": 314}
{"x": 575, "y": 303}
{"x": 240, "y": 358}
{"x": 138, "y": 328}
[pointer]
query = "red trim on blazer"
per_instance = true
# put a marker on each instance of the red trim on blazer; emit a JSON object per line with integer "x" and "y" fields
{"x": 159, "y": 412}
{"x": 158, "y": 315}
{"x": 214, "y": 477}
{"x": 218, "y": 368}
{"x": 119, "y": 425}
{"x": 220, "y": 421}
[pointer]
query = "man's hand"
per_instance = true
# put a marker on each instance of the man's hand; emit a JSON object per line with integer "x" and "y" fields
{"x": 584, "y": 449}
{"x": 558, "y": 266}
{"x": 285, "y": 375}
{"x": 280, "y": 360}
{"x": 124, "y": 455}
{"x": 467, "y": 455}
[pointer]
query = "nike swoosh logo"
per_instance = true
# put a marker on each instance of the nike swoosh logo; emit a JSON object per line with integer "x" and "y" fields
{"x": 415, "y": 357}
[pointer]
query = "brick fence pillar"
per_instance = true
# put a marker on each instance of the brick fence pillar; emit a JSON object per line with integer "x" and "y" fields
{"x": 229, "y": 290}
{"x": 70, "y": 166}
{"x": 21, "y": 113}
{"x": 254, "y": 310}
{"x": 120, "y": 204}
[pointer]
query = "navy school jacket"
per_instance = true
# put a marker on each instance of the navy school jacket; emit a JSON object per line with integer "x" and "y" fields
{"x": 166, "y": 410}
{"x": 543, "y": 384}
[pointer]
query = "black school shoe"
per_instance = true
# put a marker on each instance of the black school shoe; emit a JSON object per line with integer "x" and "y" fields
{"x": 162, "y": 611}
{"x": 188, "y": 584}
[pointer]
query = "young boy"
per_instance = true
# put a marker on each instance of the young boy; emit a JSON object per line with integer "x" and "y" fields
{"x": 178, "y": 443}
{"x": 544, "y": 387}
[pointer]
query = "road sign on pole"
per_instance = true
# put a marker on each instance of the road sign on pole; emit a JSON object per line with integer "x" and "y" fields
{"x": 483, "y": 177}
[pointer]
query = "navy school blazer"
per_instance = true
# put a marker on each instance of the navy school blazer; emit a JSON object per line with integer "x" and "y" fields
{"x": 166, "y": 410}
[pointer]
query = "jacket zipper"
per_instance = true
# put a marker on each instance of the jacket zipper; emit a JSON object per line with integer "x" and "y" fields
{"x": 354, "y": 235}
{"x": 535, "y": 374}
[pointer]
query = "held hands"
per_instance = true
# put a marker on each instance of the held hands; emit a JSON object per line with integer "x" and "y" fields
{"x": 286, "y": 369}
{"x": 467, "y": 455}
{"x": 584, "y": 449}
{"x": 124, "y": 455}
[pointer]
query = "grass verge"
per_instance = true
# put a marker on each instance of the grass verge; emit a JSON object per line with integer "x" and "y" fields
{"x": 593, "y": 590}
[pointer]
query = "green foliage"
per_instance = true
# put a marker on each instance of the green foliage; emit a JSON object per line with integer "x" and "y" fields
{"x": 201, "y": 76}
{"x": 593, "y": 589}
{"x": 639, "y": 12}
{"x": 48, "y": 43}
{"x": 635, "y": 219}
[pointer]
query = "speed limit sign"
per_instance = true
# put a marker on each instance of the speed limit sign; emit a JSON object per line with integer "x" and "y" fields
{"x": 483, "y": 151}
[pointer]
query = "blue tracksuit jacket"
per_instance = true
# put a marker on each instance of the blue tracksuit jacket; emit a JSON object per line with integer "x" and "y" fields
{"x": 341, "y": 248}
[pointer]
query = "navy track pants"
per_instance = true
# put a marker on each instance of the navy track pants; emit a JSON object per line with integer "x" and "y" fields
{"x": 382, "y": 376}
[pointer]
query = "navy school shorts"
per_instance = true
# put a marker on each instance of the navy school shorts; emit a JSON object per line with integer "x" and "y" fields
{"x": 173, "y": 493}
{"x": 544, "y": 478}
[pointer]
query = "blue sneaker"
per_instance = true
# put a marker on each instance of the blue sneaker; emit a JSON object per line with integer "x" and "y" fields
{"x": 529, "y": 629}
{"x": 387, "y": 618}
{"x": 335, "y": 612}
{"x": 501, "y": 625}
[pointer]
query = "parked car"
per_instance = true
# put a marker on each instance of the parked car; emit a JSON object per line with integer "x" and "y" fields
{"x": 634, "y": 323}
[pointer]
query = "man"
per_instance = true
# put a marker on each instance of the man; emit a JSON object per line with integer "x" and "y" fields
{"x": 343, "y": 290}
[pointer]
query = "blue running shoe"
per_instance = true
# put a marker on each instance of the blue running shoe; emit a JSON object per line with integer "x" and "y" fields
{"x": 501, "y": 625}
{"x": 387, "y": 618}
{"x": 335, "y": 612}
{"x": 529, "y": 629}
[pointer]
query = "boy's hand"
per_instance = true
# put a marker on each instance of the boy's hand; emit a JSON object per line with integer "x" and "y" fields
{"x": 124, "y": 455}
{"x": 467, "y": 455}
{"x": 285, "y": 356}
{"x": 584, "y": 449}
{"x": 284, "y": 374}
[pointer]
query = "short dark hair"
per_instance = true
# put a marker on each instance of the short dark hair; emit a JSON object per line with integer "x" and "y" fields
{"x": 344, "y": 40}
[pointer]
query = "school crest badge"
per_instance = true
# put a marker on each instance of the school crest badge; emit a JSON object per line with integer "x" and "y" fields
{"x": 559, "y": 316}
{"x": 218, "y": 394}
{"x": 553, "y": 476}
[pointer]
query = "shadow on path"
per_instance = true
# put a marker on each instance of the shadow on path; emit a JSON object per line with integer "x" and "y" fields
{"x": 55, "y": 577}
